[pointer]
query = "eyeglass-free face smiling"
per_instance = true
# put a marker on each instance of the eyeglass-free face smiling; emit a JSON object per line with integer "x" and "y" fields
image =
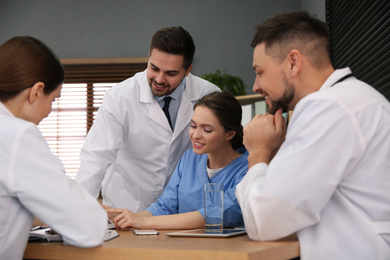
{"x": 207, "y": 133}
{"x": 165, "y": 72}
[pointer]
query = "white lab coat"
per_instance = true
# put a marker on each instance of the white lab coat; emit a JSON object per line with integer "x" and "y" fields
{"x": 330, "y": 180}
{"x": 131, "y": 151}
{"x": 33, "y": 182}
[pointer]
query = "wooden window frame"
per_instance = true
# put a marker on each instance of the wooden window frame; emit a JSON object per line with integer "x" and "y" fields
{"x": 100, "y": 70}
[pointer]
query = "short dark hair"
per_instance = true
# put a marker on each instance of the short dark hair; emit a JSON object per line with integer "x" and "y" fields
{"x": 229, "y": 112}
{"x": 25, "y": 61}
{"x": 294, "y": 30}
{"x": 174, "y": 40}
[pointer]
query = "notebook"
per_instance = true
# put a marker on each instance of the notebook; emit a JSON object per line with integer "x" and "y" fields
{"x": 43, "y": 234}
{"x": 110, "y": 234}
{"x": 110, "y": 225}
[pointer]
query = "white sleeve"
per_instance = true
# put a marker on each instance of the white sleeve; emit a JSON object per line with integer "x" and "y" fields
{"x": 253, "y": 180}
{"x": 303, "y": 175}
{"x": 254, "y": 175}
{"x": 101, "y": 146}
{"x": 40, "y": 184}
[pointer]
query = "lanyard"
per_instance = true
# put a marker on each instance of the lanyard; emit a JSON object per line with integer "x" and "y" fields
{"x": 342, "y": 79}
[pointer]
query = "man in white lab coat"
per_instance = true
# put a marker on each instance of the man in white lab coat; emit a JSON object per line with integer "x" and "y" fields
{"x": 133, "y": 147}
{"x": 329, "y": 181}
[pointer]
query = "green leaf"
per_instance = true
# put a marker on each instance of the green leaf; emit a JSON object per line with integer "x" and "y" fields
{"x": 233, "y": 84}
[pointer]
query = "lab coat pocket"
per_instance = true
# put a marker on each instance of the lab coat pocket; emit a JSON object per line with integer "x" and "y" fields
{"x": 120, "y": 194}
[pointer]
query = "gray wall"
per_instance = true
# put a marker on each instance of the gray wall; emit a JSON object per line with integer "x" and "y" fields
{"x": 316, "y": 7}
{"x": 222, "y": 29}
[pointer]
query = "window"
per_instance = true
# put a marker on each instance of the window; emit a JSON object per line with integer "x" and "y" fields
{"x": 86, "y": 81}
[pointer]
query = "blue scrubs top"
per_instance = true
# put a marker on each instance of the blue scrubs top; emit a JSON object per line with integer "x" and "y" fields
{"x": 184, "y": 192}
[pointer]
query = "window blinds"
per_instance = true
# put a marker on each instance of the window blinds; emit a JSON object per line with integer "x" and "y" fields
{"x": 86, "y": 81}
{"x": 360, "y": 39}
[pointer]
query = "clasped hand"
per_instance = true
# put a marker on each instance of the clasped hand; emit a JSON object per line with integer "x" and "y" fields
{"x": 263, "y": 136}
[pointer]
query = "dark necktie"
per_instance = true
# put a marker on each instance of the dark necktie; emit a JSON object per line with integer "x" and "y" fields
{"x": 167, "y": 100}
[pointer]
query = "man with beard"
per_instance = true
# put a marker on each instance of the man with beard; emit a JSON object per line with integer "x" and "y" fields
{"x": 328, "y": 179}
{"x": 134, "y": 145}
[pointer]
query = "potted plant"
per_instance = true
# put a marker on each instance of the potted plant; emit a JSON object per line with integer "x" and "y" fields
{"x": 227, "y": 82}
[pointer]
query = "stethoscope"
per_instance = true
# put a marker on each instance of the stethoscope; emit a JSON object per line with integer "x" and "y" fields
{"x": 338, "y": 81}
{"x": 342, "y": 79}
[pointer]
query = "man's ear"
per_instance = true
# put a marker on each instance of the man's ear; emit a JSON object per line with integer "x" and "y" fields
{"x": 188, "y": 70}
{"x": 36, "y": 91}
{"x": 295, "y": 61}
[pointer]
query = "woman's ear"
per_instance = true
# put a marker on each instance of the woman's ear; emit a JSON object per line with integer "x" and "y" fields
{"x": 230, "y": 135}
{"x": 36, "y": 91}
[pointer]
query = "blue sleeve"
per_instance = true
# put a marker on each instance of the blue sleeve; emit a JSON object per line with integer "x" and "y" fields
{"x": 232, "y": 215}
{"x": 167, "y": 203}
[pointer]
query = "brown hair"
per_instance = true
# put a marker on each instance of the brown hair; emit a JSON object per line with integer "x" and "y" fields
{"x": 174, "y": 40}
{"x": 229, "y": 112}
{"x": 25, "y": 61}
{"x": 294, "y": 30}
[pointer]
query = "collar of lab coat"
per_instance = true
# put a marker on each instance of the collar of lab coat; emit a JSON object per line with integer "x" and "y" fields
{"x": 335, "y": 76}
{"x": 4, "y": 110}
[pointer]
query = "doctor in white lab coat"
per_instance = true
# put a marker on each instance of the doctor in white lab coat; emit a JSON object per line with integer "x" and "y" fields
{"x": 330, "y": 180}
{"x": 132, "y": 150}
{"x": 32, "y": 179}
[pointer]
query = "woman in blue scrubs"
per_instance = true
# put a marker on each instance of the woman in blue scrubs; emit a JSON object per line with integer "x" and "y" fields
{"x": 218, "y": 156}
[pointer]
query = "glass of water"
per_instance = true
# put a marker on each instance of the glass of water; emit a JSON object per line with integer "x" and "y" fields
{"x": 213, "y": 207}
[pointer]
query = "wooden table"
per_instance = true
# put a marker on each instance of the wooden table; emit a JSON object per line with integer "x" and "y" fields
{"x": 130, "y": 246}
